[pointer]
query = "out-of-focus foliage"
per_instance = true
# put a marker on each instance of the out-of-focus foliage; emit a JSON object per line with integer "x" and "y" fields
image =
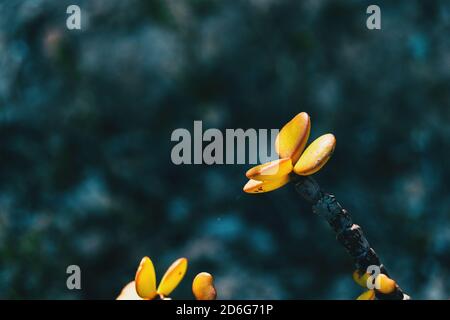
{"x": 86, "y": 118}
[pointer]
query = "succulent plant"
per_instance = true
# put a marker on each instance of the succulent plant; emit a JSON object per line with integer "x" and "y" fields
{"x": 294, "y": 158}
{"x": 382, "y": 284}
{"x": 144, "y": 285}
{"x": 295, "y": 165}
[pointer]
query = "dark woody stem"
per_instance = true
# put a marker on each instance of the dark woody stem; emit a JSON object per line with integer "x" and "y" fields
{"x": 348, "y": 234}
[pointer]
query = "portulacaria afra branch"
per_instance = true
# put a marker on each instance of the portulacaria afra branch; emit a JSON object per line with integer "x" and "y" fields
{"x": 348, "y": 234}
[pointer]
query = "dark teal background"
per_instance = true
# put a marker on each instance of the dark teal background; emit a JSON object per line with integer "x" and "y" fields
{"x": 86, "y": 118}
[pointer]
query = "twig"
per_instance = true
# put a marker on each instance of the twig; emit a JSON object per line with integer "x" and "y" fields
{"x": 348, "y": 234}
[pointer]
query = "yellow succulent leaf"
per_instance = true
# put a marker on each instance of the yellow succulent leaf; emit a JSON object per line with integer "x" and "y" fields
{"x": 292, "y": 138}
{"x": 203, "y": 287}
{"x": 146, "y": 279}
{"x": 361, "y": 278}
{"x": 129, "y": 292}
{"x": 384, "y": 284}
{"x": 272, "y": 170}
{"x": 255, "y": 186}
{"x": 172, "y": 277}
{"x": 316, "y": 155}
{"x": 368, "y": 295}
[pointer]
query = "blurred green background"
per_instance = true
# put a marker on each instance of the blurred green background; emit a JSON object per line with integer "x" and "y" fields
{"x": 86, "y": 118}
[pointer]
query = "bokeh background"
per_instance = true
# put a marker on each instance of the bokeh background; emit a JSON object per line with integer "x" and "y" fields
{"x": 86, "y": 118}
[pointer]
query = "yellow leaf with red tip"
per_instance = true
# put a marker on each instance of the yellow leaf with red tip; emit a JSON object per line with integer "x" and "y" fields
{"x": 203, "y": 287}
{"x": 255, "y": 186}
{"x": 129, "y": 292}
{"x": 384, "y": 284}
{"x": 368, "y": 295}
{"x": 172, "y": 277}
{"x": 292, "y": 138}
{"x": 145, "y": 279}
{"x": 316, "y": 155}
{"x": 272, "y": 170}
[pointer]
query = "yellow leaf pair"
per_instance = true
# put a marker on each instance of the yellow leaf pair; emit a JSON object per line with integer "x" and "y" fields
{"x": 383, "y": 284}
{"x": 290, "y": 146}
{"x": 146, "y": 280}
{"x": 144, "y": 285}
